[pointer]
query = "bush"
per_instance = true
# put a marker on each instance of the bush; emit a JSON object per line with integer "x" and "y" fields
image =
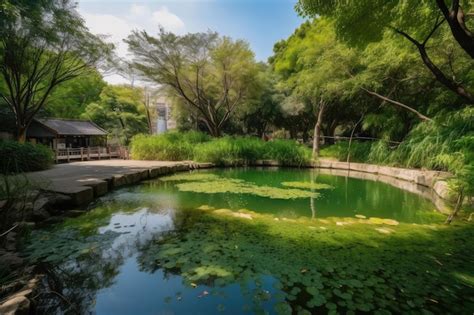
{"x": 359, "y": 151}
{"x": 171, "y": 146}
{"x": 230, "y": 151}
{"x": 287, "y": 152}
{"x": 18, "y": 157}
{"x": 220, "y": 151}
{"x": 446, "y": 144}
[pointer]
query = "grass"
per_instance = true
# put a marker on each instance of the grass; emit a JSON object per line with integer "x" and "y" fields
{"x": 446, "y": 144}
{"x": 220, "y": 151}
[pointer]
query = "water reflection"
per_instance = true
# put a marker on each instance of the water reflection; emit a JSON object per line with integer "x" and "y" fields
{"x": 123, "y": 275}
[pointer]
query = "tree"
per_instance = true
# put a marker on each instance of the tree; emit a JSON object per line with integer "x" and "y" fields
{"x": 315, "y": 67}
{"x": 69, "y": 100}
{"x": 120, "y": 111}
{"x": 43, "y": 44}
{"x": 206, "y": 72}
{"x": 364, "y": 21}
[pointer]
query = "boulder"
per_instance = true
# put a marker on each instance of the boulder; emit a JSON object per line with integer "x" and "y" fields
{"x": 41, "y": 203}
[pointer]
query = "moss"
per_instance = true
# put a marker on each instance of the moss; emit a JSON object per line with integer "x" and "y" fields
{"x": 236, "y": 186}
{"x": 307, "y": 185}
{"x": 189, "y": 177}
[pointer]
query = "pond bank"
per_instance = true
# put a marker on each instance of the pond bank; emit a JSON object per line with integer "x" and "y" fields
{"x": 435, "y": 180}
{"x": 82, "y": 182}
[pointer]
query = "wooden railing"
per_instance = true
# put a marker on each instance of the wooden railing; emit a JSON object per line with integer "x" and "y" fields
{"x": 91, "y": 153}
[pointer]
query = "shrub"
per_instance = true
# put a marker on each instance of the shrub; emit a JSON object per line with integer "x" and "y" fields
{"x": 171, "y": 146}
{"x": 287, "y": 152}
{"x": 358, "y": 153}
{"x": 230, "y": 151}
{"x": 220, "y": 151}
{"x": 18, "y": 157}
{"x": 446, "y": 144}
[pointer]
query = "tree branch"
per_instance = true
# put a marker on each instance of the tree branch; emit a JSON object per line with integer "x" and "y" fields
{"x": 386, "y": 99}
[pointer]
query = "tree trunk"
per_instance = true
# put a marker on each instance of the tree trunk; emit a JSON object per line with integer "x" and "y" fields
{"x": 456, "y": 20}
{"x": 317, "y": 129}
{"x": 329, "y": 131}
{"x": 21, "y": 134}
{"x": 215, "y": 132}
{"x": 442, "y": 78}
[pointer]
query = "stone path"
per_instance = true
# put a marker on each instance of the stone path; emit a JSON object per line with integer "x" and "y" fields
{"x": 84, "y": 181}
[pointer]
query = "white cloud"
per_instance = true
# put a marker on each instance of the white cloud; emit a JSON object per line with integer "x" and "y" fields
{"x": 116, "y": 28}
{"x": 168, "y": 20}
{"x": 139, "y": 17}
{"x": 138, "y": 10}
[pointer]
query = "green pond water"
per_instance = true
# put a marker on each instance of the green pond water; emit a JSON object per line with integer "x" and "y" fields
{"x": 274, "y": 241}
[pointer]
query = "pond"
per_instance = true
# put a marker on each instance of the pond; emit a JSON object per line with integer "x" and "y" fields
{"x": 273, "y": 241}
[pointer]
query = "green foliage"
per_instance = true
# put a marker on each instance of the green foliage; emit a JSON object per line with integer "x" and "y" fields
{"x": 363, "y": 21}
{"x": 230, "y": 150}
{"x": 43, "y": 44}
{"x": 70, "y": 99}
{"x": 446, "y": 144}
{"x": 24, "y": 157}
{"x": 171, "y": 146}
{"x": 212, "y": 75}
{"x": 287, "y": 152}
{"x": 121, "y": 111}
{"x": 359, "y": 151}
{"x": 195, "y": 146}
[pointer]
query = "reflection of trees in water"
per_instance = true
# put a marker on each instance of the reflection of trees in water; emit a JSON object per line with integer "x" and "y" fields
{"x": 71, "y": 287}
{"x": 71, "y": 283}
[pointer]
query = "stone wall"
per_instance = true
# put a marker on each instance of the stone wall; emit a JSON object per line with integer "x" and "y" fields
{"x": 435, "y": 180}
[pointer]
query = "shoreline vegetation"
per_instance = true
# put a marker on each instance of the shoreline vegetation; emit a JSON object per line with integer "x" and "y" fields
{"x": 228, "y": 150}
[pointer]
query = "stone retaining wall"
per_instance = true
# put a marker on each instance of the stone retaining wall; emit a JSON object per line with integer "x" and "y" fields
{"x": 434, "y": 180}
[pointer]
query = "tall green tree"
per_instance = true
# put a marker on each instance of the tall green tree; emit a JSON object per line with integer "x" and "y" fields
{"x": 69, "y": 100}
{"x": 419, "y": 22}
{"x": 314, "y": 68}
{"x": 43, "y": 44}
{"x": 211, "y": 74}
{"x": 121, "y": 111}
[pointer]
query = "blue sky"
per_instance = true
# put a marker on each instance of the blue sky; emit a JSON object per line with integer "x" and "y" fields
{"x": 260, "y": 22}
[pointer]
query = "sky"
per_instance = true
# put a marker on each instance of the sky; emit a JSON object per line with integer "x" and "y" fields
{"x": 260, "y": 22}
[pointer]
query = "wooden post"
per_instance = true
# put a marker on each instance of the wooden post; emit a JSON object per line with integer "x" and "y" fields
{"x": 98, "y": 152}
{"x": 82, "y": 154}
{"x": 67, "y": 151}
{"x": 88, "y": 153}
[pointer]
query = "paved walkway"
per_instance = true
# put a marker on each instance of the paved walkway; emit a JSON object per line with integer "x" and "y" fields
{"x": 82, "y": 181}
